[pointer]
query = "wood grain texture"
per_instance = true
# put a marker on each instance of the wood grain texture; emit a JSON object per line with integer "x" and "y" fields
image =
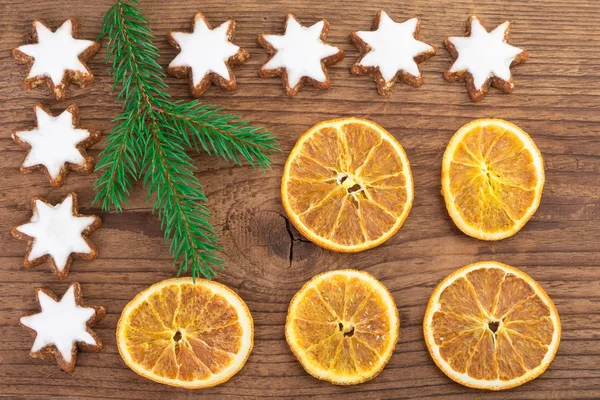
{"x": 557, "y": 101}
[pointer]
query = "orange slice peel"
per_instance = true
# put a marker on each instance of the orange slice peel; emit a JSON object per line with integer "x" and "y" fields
{"x": 492, "y": 178}
{"x": 185, "y": 334}
{"x": 343, "y": 326}
{"x": 347, "y": 185}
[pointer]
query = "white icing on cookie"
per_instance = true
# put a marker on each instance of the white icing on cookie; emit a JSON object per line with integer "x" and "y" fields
{"x": 204, "y": 50}
{"x": 300, "y": 51}
{"x": 484, "y": 54}
{"x": 60, "y": 323}
{"x": 55, "y": 52}
{"x": 54, "y": 142}
{"x": 56, "y": 231}
{"x": 393, "y": 47}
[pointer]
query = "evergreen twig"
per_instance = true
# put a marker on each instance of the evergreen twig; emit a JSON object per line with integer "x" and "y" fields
{"x": 150, "y": 140}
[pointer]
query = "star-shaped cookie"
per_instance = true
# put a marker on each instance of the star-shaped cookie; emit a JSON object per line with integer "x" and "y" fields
{"x": 63, "y": 326}
{"x": 483, "y": 58}
{"x": 206, "y": 55}
{"x": 57, "y": 58}
{"x": 57, "y": 145}
{"x": 299, "y": 55}
{"x": 57, "y": 235}
{"x": 390, "y": 52}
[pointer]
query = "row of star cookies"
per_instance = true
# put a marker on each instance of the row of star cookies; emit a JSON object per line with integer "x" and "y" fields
{"x": 390, "y": 52}
{"x": 58, "y": 234}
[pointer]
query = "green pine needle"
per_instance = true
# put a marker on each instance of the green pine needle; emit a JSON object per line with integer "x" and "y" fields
{"x": 150, "y": 140}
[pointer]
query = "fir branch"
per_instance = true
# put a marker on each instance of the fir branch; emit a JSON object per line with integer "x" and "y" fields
{"x": 118, "y": 161}
{"x": 222, "y": 134}
{"x": 151, "y": 136}
{"x": 179, "y": 197}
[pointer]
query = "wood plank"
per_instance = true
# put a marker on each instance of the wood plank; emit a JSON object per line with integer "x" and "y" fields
{"x": 557, "y": 101}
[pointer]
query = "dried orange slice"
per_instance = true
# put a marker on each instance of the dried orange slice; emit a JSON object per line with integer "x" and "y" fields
{"x": 343, "y": 326}
{"x": 187, "y": 335}
{"x": 492, "y": 178}
{"x": 491, "y": 326}
{"x": 347, "y": 185}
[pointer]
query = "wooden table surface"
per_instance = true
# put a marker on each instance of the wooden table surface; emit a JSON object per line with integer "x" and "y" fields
{"x": 556, "y": 101}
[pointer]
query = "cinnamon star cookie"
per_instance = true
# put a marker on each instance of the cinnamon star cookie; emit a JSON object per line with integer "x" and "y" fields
{"x": 299, "y": 55}
{"x": 57, "y": 234}
{"x": 483, "y": 59}
{"x": 390, "y": 52}
{"x": 206, "y": 55}
{"x": 57, "y": 58}
{"x": 63, "y": 326}
{"x": 57, "y": 145}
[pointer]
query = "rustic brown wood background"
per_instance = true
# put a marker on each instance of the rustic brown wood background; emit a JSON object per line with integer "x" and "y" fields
{"x": 557, "y": 101}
